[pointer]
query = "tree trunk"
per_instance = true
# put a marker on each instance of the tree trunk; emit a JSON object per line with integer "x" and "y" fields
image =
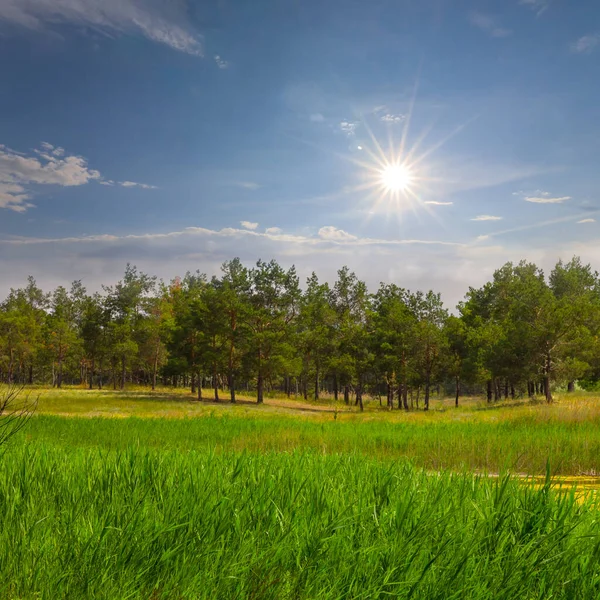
{"x": 335, "y": 387}
{"x": 91, "y": 384}
{"x": 199, "y": 386}
{"x": 512, "y": 391}
{"x": 359, "y": 398}
{"x": 11, "y": 367}
{"x": 571, "y": 386}
{"x": 506, "y": 389}
{"x": 30, "y": 374}
{"x": 260, "y": 389}
{"x": 547, "y": 379}
{"x": 123, "y": 372}
{"x": 405, "y": 395}
{"x": 60, "y": 373}
{"x": 390, "y": 396}
{"x": 427, "y": 386}
{"x": 232, "y": 387}
{"x": 457, "y": 391}
{"x": 489, "y": 390}
{"x": 316, "y": 381}
{"x": 346, "y": 395}
{"x": 215, "y": 382}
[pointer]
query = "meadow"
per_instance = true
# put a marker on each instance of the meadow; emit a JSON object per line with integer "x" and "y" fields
{"x": 131, "y": 495}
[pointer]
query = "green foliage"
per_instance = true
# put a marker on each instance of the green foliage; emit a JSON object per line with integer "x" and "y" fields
{"x": 256, "y": 329}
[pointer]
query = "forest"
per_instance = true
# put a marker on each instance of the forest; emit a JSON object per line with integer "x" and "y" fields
{"x": 257, "y": 330}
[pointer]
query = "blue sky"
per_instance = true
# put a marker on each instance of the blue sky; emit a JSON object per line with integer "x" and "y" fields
{"x": 175, "y": 135}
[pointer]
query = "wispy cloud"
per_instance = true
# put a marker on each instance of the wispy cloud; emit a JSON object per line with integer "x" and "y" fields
{"x": 334, "y": 234}
{"x": 317, "y": 118}
{"x": 537, "y": 6}
{"x": 546, "y": 199}
{"x": 586, "y": 44}
{"x": 587, "y": 221}
{"x": 392, "y": 118}
{"x": 248, "y": 185}
{"x": 326, "y": 235}
{"x": 539, "y": 225}
{"x": 437, "y": 203}
{"x": 144, "y": 186}
{"x": 541, "y": 197}
{"x": 349, "y": 127}
{"x": 489, "y": 24}
{"x": 160, "y": 21}
{"x": 486, "y": 218}
{"x": 100, "y": 258}
{"x": 221, "y": 62}
{"x": 273, "y": 231}
{"x": 249, "y": 225}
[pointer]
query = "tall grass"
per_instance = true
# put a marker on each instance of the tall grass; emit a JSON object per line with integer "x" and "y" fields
{"x": 147, "y": 523}
{"x": 521, "y": 445}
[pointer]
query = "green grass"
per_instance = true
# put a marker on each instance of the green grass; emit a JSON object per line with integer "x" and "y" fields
{"x": 140, "y": 523}
{"x": 521, "y": 444}
{"x": 283, "y": 502}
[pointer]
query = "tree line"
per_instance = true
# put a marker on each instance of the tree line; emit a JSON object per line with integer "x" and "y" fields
{"x": 256, "y": 330}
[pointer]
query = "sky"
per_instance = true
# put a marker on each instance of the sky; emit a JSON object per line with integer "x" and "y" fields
{"x": 419, "y": 142}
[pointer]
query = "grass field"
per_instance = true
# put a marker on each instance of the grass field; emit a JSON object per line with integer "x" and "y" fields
{"x": 297, "y": 500}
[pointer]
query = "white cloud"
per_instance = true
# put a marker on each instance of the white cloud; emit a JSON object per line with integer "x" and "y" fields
{"x": 144, "y": 186}
{"x": 449, "y": 268}
{"x": 317, "y": 118}
{"x": 221, "y": 62}
{"x": 436, "y": 203}
{"x": 20, "y": 173}
{"x": 101, "y": 258}
{"x": 392, "y": 119}
{"x": 46, "y": 166}
{"x": 273, "y": 231}
{"x": 158, "y": 20}
{"x": 482, "y": 238}
{"x": 587, "y": 221}
{"x": 333, "y": 233}
{"x": 488, "y": 24}
{"x": 349, "y": 127}
{"x": 546, "y": 199}
{"x": 486, "y": 218}
{"x": 541, "y": 197}
{"x": 586, "y": 44}
{"x": 249, "y": 225}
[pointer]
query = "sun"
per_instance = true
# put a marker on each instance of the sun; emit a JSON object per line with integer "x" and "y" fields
{"x": 396, "y": 178}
